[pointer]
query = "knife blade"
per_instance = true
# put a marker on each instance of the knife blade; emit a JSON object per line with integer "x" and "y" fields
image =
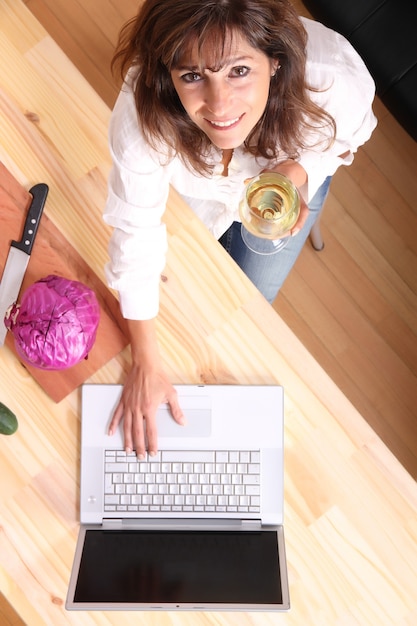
{"x": 19, "y": 254}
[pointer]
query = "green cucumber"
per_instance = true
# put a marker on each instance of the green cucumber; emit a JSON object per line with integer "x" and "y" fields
{"x": 8, "y": 421}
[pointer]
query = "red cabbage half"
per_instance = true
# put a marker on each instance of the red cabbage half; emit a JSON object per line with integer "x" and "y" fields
{"x": 55, "y": 324}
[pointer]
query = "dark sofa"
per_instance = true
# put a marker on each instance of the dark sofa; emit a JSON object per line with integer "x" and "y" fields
{"x": 384, "y": 33}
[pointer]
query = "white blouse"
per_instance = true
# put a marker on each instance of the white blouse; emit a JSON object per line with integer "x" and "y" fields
{"x": 139, "y": 180}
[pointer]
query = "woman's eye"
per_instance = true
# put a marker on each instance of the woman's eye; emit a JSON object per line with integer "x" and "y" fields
{"x": 191, "y": 77}
{"x": 240, "y": 71}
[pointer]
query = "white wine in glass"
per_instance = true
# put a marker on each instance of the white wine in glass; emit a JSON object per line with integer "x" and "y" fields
{"x": 269, "y": 209}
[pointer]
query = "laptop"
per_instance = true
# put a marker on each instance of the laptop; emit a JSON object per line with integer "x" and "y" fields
{"x": 197, "y": 527}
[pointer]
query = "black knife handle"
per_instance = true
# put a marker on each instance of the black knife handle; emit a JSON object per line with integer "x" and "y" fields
{"x": 39, "y": 193}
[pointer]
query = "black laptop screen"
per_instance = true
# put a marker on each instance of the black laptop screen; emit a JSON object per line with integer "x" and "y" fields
{"x": 200, "y": 567}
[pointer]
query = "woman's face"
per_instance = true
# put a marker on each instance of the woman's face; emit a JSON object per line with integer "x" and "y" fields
{"x": 226, "y": 104}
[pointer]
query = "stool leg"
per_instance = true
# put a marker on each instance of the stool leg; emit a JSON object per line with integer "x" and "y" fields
{"x": 316, "y": 236}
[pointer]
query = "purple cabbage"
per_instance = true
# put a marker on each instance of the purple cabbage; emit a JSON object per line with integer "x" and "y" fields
{"x": 55, "y": 324}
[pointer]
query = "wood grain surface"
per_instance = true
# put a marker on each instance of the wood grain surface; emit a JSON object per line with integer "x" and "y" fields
{"x": 350, "y": 506}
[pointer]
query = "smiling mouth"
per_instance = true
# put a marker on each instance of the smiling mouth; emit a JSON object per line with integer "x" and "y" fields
{"x": 226, "y": 124}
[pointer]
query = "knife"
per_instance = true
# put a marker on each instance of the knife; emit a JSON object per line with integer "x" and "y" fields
{"x": 19, "y": 254}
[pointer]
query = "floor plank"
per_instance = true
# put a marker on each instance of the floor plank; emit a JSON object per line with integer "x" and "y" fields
{"x": 8, "y": 616}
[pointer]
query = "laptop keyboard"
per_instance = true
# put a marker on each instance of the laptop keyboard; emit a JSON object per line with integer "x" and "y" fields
{"x": 183, "y": 482}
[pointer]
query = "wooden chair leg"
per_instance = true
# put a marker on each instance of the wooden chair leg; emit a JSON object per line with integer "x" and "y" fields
{"x": 316, "y": 236}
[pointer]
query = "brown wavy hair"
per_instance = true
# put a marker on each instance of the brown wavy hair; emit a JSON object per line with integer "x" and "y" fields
{"x": 152, "y": 44}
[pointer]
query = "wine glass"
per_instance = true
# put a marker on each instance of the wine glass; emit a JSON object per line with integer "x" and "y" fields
{"x": 269, "y": 208}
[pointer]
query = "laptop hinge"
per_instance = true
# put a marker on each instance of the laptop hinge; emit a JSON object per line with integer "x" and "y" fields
{"x": 112, "y": 524}
{"x": 251, "y": 524}
{"x": 172, "y": 523}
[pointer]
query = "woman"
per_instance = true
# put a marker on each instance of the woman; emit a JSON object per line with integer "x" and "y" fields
{"x": 216, "y": 92}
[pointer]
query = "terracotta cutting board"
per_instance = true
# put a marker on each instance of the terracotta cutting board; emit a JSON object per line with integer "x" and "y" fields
{"x": 52, "y": 254}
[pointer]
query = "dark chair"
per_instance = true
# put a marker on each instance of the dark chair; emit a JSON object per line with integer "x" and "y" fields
{"x": 384, "y": 34}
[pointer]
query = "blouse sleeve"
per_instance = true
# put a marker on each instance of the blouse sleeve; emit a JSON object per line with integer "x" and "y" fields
{"x": 138, "y": 188}
{"x": 345, "y": 89}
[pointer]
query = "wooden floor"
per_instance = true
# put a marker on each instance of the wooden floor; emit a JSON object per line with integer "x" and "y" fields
{"x": 354, "y": 305}
{"x": 8, "y": 616}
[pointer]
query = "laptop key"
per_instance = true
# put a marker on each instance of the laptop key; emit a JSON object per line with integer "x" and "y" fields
{"x": 222, "y": 456}
{"x": 251, "y": 479}
{"x": 117, "y": 467}
{"x": 252, "y": 490}
{"x": 111, "y": 499}
{"x": 182, "y": 456}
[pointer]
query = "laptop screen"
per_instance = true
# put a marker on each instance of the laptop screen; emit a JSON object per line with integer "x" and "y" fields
{"x": 179, "y": 567}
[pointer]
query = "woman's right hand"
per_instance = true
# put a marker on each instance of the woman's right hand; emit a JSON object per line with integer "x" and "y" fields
{"x": 146, "y": 387}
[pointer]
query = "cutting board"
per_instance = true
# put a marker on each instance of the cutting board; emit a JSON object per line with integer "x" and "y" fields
{"x": 52, "y": 254}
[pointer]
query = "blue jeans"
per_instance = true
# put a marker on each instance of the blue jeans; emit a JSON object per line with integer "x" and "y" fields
{"x": 268, "y": 272}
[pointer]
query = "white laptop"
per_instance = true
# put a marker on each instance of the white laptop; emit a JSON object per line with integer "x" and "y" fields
{"x": 199, "y": 526}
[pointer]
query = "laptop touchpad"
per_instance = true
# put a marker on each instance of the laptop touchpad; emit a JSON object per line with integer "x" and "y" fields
{"x": 197, "y": 412}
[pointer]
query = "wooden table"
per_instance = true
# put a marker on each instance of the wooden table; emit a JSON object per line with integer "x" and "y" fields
{"x": 351, "y": 509}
